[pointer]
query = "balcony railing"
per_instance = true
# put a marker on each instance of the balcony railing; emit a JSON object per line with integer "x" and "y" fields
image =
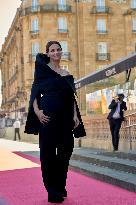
{"x": 60, "y": 30}
{"x": 32, "y": 9}
{"x": 32, "y": 57}
{"x": 102, "y": 56}
{"x": 66, "y": 56}
{"x": 102, "y": 31}
{"x": 47, "y": 8}
{"x": 133, "y": 30}
{"x": 34, "y": 31}
{"x": 100, "y": 9}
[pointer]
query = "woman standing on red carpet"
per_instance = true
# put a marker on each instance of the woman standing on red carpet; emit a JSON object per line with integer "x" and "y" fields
{"x": 55, "y": 116}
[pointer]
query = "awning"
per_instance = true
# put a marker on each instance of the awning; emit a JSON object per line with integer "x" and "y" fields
{"x": 115, "y": 68}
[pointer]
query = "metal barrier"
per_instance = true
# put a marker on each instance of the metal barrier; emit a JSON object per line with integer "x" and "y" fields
{"x": 130, "y": 124}
{"x": 99, "y": 135}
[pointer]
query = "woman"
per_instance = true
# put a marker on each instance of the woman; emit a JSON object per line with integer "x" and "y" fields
{"x": 55, "y": 116}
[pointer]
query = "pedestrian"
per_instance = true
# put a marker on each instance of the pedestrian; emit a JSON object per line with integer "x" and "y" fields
{"x": 115, "y": 117}
{"x": 16, "y": 126}
{"x": 55, "y": 116}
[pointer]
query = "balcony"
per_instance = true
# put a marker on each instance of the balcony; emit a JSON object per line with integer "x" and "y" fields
{"x": 101, "y": 31}
{"x": 129, "y": 11}
{"x": 34, "y": 33}
{"x": 66, "y": 56}
{"x": 102, "y": 56}
{"x": 47, "y": 8}
{"x": 32, "y": 9}
{"x": 100, "y": 9}
{"x": 133, "y": 30}
{"x": 60, "y": 30}
{"x": 32, "y": 57}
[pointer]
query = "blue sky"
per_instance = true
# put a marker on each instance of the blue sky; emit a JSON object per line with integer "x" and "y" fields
{"x": 7, "y": 12}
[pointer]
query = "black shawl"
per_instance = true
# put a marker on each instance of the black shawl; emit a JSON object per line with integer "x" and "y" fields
{"x": 40, "y": 77}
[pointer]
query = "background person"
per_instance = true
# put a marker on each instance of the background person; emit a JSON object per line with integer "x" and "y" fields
{"x": 115, "y": 117}
{"x": 16, "y": 126}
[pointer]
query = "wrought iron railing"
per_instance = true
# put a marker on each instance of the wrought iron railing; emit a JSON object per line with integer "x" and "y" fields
{"x": 66, "y": 56}
{"x": 102, "y": 56}
{"x": 100, "y": 9}
{"x": 60, "y": 30}
{"x": 47, "y": 8}
{"x": 102, "y": 31}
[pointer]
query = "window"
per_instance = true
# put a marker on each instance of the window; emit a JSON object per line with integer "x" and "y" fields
{"x": 65, "y": 53}
{"x": 62, "y": 24}
{"x": 62, "y": 5}
{"x": 133, "y": 4}
{"x": 34, "y": 25}
{"x": 102, "y": 47}
{"x": 35, "y": 48}
{"x": 102, "y": 52}
{"x": 34, "y": 3}
{"x": 100, "y": 3}
{"x": 134, "y": 25}
{"x": 64, "y": 46}
{"x": 101, "y": 25}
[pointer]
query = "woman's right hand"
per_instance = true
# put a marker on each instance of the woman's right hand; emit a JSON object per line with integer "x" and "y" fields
{"x": 43, "y": 118}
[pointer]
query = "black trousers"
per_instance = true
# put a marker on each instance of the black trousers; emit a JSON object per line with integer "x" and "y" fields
{"x": 17, "y": 132}
{"x": 54, "y": 165}
{"x": 115, "y": 125}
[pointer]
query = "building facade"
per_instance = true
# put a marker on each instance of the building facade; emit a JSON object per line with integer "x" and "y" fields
{"x": 93, "y": 34}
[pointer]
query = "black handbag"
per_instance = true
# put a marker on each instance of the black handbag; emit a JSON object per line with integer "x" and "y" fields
{"x": 79, "y": 131}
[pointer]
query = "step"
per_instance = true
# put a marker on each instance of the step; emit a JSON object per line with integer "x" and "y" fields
{"x": 118, "y": 178}
{"x": 119, "y": 164}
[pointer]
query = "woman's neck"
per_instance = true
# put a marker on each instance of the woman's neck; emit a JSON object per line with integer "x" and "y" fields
{"x": 54, "y": 64}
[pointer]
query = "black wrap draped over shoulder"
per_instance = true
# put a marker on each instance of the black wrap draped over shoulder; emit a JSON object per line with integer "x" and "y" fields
{"x": 55, "y": 95}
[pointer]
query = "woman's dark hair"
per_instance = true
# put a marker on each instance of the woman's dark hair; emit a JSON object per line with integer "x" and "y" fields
{"x": 50, "y": 43}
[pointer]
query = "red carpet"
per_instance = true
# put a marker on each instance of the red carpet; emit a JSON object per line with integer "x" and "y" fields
{"x": 24, "y": 187}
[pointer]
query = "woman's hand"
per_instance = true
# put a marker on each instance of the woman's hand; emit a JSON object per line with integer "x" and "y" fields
{"x": 76, "y": 120}
{"x": 43, "y": 118}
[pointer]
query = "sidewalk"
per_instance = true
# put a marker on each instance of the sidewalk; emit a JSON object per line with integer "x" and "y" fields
{"x": 18, "y": 146}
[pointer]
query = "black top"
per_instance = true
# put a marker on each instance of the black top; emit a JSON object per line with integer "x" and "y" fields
{"x": 49, "y": 83}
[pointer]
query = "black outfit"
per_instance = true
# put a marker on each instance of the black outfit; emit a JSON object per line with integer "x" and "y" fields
{"x": 55, "y": 137}
{"x": 115, "y": 124}
{"x": 17, "y": 132}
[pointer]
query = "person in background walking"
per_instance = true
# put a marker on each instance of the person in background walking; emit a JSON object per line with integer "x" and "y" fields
{"x": 115, "y": 117}
{"x": 16, "y": 126}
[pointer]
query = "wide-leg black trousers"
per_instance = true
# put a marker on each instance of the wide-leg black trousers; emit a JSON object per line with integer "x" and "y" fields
{"x": 56, "y": 146}
{"x": 55, "y": 167}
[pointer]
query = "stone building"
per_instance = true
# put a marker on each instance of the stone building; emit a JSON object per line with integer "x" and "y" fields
{"x": 93, "y": 34}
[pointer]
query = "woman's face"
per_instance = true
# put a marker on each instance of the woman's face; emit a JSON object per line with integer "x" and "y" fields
{"x": 54, "y": 52}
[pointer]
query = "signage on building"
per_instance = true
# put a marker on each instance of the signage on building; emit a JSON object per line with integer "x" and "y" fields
{"x": 110, "y": 72}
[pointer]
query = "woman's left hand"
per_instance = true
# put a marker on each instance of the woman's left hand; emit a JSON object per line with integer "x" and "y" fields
{"x": 76, "y": 120}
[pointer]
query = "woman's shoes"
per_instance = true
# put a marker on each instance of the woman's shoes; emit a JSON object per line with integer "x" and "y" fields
{"x": 64, "y": 193}
{"x": 55, "y": 199}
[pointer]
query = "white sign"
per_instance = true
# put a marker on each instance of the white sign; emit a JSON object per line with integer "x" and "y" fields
{"x": 110, "y": 72}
